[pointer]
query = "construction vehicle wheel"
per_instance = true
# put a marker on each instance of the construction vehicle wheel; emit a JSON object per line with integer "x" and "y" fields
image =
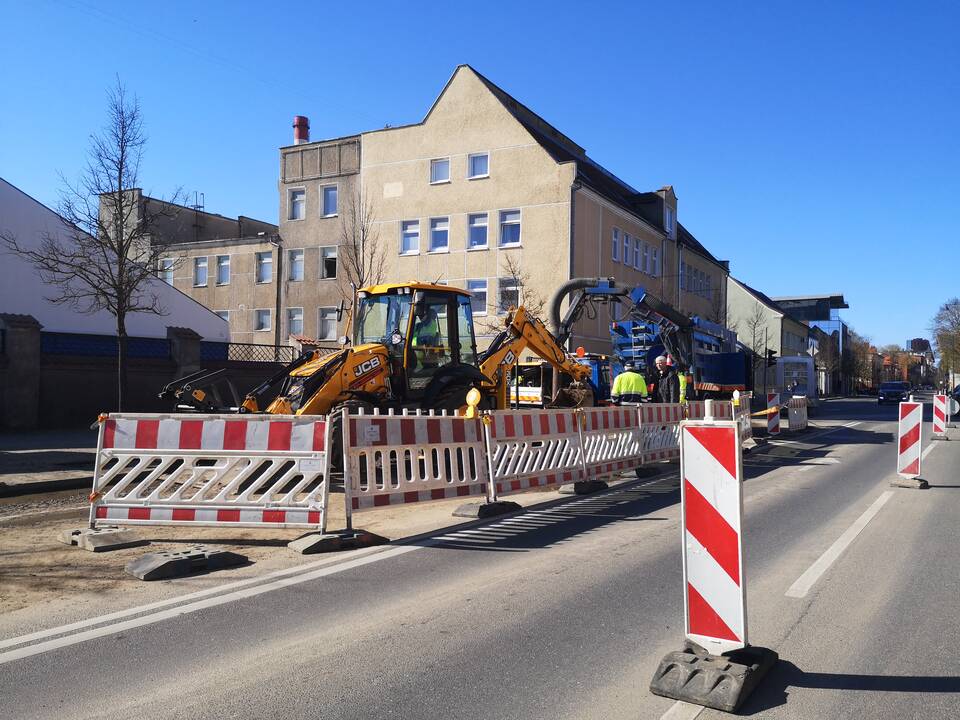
{"x": 455, "y": 397}
{"x": 353, "y": 407}
{"x": 573, "y": 396}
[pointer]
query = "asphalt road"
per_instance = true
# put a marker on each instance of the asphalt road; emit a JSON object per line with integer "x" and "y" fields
{"x": 558, "y": 613}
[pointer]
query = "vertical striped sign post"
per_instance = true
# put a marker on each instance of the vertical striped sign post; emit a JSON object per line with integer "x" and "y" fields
{"x": 940, "y": 415}
{"x": 773, "y": 418}
{"x": 909, "y": 445}
{"x": 717, "y": 668}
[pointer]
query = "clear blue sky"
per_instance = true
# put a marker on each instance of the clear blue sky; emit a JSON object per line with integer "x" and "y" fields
{"x": 814, "y": 144}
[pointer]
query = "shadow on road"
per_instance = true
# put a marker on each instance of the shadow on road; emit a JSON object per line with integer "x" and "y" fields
{"x": 773, "y": 691}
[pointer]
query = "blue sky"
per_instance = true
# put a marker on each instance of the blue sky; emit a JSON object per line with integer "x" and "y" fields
{"x": 815, "y": 145}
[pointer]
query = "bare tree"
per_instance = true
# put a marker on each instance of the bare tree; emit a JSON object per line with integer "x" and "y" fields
{"x": 945, "y": 329}
{"x": 526, "y": 294}
{"x": 104, "y": 257}
{"x": 362, "y": 257}
{"x": 756, "y": 337}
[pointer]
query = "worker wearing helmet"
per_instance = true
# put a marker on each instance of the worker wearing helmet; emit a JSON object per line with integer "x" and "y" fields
{"x": 668, "y": 384}
{"x": 629, "y": 387}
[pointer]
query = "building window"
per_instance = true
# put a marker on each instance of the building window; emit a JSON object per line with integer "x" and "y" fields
{"x": 223, "y": 269}
{"x": 439, "y": 234}
{"x": 224, "y": 315}
{"x": 478, "y": 165}
{"x": 643, "y": 258}
{"x": 655, "y": 261}
{"x": 477, "y": 230}
{"x": 328, "y": 262}
{"x": 165, "y": 270}
{"x": 295, "y": 262}
{"x": 440, "y": 170}
{"x": 261, "y": 320}
{"x": 329, "y": 200}
{"x": 297, "y": 209}
{"x": 627, "y": 249}
{"x": 409, "y": 237}
{"x": 708, "y": 287}
{"x": 199, "y": 272}
{"x": 295, "y": 321}
{"x": 509, "y": 289}
{"x": 264, "y": 266}
{"x": 478, "y": 301}
{"x": 639, "y": 254}
{"x": 669, "y": 219}
{"x": 509, "y": 227}
{"x": 616, "y": 245}
{"x": 327, "y": 324}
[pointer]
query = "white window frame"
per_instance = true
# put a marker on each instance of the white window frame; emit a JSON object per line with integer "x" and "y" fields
{"x": 323, "y": 200}
{"x": 485, "y": 226}
{"x": 336, "y": 327}
{"x": 669, "y": 220}
{"x": 206, "y": 270}
{"x": 627, "y": 248}
{"x": 501, "y": 310}
{"x": 290, "y": 192}
{"x": 500, "y": 224}
{"x": 615, "y": 237}
{"x": 290, "y": 265}
{"x": 223, "y": 314}
{"x": 256, "y": 267}
{"x": 486, "y": 294}
{"x": 256, "y": 317}
{"x": 440, "y": 160}
{"x": 655, "y": 260}
{"x": 446, "y": 248}
{"x": 470, "y": 157}
{"x": 166, "y": 266}
{"x": 639, "y": 254}
{"x": 409, "y": 252}
{"x": 323, "y": 273}
{"x": 216, "y": 270}
{"x": 289, "y": 328}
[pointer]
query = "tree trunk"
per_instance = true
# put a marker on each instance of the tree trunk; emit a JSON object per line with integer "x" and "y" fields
{"x": 121, "y": 362}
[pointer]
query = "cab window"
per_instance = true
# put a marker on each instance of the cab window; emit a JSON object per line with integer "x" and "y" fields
{"x": 430, "y": 346}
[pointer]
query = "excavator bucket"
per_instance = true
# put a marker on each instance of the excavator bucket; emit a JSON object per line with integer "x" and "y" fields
{"x": 573, "y": 396}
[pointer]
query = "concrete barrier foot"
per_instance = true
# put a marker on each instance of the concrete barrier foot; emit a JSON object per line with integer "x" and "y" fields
{"x": 166, "y": 565}
{"x": 912, "y": 483}
{"x": 721, "y": 682}
{"x": 486, "y": 510}
{"x": 583, "y": 487}
{"x": 313, "y": 543}
{"x": 102, "y": 539}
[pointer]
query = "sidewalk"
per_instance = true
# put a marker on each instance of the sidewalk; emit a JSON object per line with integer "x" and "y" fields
{"x": 45, "y": 461}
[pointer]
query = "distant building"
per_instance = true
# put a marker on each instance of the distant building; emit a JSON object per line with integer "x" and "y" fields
{"x": 823, "y": 311}
{"x": 919, "y": 345}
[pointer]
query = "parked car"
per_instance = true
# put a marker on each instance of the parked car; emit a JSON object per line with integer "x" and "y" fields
{"x": 893, "y": 392}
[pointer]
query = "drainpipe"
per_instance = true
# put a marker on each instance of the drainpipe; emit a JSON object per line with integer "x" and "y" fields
{"x": 277, "y": 242}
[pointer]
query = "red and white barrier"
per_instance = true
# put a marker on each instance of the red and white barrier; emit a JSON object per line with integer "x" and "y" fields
{"x": 773, "y": 418}
{"x": 398, "y": 459}
{"x": 940, "y": 415}
{"x": 211, "y": 470}
{"x": 797, "y": 413}
{"x": 611, "y": 440}
{"x": 660, "y": 431}
{"x": 712, "y": 509}
{"x": 909, "y": 439}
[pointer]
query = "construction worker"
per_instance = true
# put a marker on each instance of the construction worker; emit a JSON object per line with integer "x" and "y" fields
{"x": 629, "y": 387}
{"x": 668, "y": 384}
{"x": 426, "y": 338}
{"x": 684, "y": 379}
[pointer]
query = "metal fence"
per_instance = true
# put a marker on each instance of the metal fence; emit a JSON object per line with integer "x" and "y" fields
{"x": 250, "y": 352}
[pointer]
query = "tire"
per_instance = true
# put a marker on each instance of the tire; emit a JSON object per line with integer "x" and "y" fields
{"x": 353, "y": 407}
{"x": 455, "y": 397}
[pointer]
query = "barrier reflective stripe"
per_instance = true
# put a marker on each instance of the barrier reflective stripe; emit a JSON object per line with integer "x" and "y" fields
{"x": 399, "y": 459}
{"x": 773, "y": 419}
{"x": 909, "y": 439}
{"x": 712, "y": 509}
{"x": 211, "y": 470}
{"x": 940, "y": 417}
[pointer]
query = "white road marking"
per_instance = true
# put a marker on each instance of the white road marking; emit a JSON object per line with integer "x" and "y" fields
{"x": 803, "y": 584}
{"x": 682, "y": 711}
{"x": 805, "y": 468}
{"x": 929, "y": 449}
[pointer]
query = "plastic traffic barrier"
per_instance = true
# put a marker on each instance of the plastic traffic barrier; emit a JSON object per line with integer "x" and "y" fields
{"x": 909, "y": 446}
{"x": 773, "y": 419}
{"x": 796, "y": 413}
{"x": 940, "y": 415}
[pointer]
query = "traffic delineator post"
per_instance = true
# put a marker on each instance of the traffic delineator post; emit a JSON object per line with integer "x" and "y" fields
{"x": 773, "y": 418}
{"x": 717, "y": 667}
{"x": 909, "y": 445}
{"x": 940, "y": 413}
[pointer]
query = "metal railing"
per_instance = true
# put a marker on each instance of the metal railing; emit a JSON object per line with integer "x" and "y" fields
{"x": 251, "y": 352}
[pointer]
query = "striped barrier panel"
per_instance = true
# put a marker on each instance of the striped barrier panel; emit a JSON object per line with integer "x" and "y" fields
{"x": 612, "y": 440}
{"x": 741, "y": 411}
{"x": 398, "y": 459}
{"x": 660, "y": 431}
{"x": 909, "y": 439}
{"x": 797, "y": 413}
{"x": 940, "y": 410}
{"x": 711, "y": 467}
{"x": 773, "y": 418}
{"x": 211, "y": 470}
{"x": 534, "y": 448}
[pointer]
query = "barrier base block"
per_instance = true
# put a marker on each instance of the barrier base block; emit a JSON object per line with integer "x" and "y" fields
{"x": 481, "y": 510}
{"x": 165, "y": 565}
{"x": 939, "y": 437}
{"x": 313, "y": 543}
{"x": 914, "y": 483}
{"x": 583, "y": 487}
{"x": 721, "y": 682}
{"x": 102, "y": 539}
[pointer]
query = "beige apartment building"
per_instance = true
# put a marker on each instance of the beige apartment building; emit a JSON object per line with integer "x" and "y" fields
{"x": 481, "y": 194}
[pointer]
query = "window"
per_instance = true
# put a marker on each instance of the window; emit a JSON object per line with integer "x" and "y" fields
{"x": 627, "y": 249}
{"x": 224, "y": 315}
{"x": 509, "y": 294}
{"x": 655, "y": 261}
{"x": 616, "y": 245}
{"x": 643, "y": 258}
{"x": 165, "y": 270}
{"x": 199, "y": 272}
{"x": 510, "y": 227}
{"x": 440, "y": 170}
{"x": 297, "y": 206}
{"x": 327, "y": 324}
{"x": 478, "y": 165}
{"x": 668, "y": 220}
{"x": 639, "y": 254}
{"x": 223, "y": 269}
{"x": 295, "y": 321}
{"x": 329, "y": 200}
{"x": 328, "y": 262}
{"x": 439, "y": 234}
{"x": 261, "y": 320}
{"x": 478, "y": 302}
{"x": 264, "y": 266}
{"x": 295, "y": 263}
{"x": 477, "y": 229}
{"x": 409, "y": 237}
{"x": 708, "y": 287}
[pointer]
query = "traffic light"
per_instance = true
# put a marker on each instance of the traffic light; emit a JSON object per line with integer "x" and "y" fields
{"x": 771, "y": 358}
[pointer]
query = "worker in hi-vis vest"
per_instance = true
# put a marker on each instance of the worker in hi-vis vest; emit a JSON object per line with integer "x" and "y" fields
{"x": 683, "y": 377}
{"x": 629, "y": 387}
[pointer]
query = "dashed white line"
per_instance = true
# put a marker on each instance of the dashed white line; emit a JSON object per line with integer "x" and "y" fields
{"x": 803, "y": 584}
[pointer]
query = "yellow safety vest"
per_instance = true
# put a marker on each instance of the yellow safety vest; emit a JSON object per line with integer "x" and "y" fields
{"x": 628, "y": 387}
